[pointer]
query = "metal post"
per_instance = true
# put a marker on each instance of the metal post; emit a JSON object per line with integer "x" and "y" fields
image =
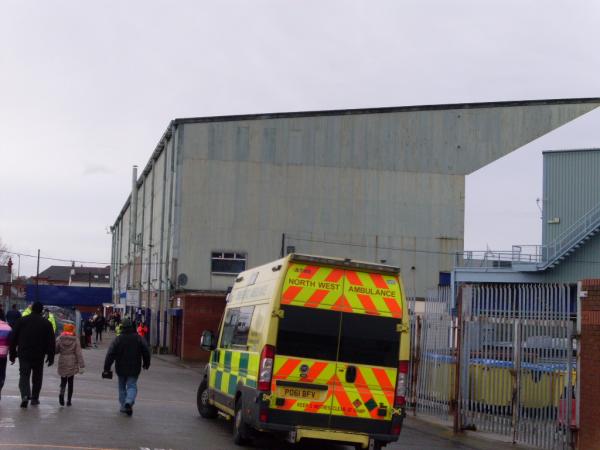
{"x": 282, "y": 245}
{"x": 416, "y": 359}
{"x": 37, "y": 278}
{"x": 516, "y": 378}
{"x": 457, "y": 373}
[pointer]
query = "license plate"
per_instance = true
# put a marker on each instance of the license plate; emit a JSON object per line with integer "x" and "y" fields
{"x": 312, "y": 395}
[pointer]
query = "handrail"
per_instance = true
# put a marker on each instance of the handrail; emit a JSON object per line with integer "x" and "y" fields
{"x": 541, "y": 256}
{"x": 571, "y": 236}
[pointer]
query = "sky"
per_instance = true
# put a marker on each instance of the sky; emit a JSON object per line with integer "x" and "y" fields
{"x": 88, "y": 88}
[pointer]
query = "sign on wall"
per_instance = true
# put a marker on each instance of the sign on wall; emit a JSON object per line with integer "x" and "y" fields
{"x": 133, "y": 297}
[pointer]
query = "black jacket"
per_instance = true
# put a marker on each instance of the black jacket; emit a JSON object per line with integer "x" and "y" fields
{"x": 99, "y": 323}
{"x": 12, "y": 316}
{"x": 32, "y": 339}
{"x": 128, "y": 351}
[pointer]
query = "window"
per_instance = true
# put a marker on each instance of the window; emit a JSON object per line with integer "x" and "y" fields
{"x": 236, "y": 326}
{"x": 242, "y": 327}
{"x": 227, "y": 263}
{"x": 370, "y": 340}
{"x": 229, "y": 324}
{"x": 308, "y": 333}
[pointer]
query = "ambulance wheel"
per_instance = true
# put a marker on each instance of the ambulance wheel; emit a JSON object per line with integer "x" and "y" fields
{"x": 205, "y": 409}
{"x": 241, "y": 432}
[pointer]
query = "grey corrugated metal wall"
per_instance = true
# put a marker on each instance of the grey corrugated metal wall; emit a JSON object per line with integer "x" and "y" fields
{"x": 571, "y": 189}
{"x": 413, "y": 158}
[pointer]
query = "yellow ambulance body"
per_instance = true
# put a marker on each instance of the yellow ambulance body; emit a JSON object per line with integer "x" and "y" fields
{"x": 312, "y": 348}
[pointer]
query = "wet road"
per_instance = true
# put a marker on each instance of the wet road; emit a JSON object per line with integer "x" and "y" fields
{"x": 165, "y": 416}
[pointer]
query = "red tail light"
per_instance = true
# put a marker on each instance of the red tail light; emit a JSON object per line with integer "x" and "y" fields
{"x": 265, "y": 372}
{"x": 400, "y": 396}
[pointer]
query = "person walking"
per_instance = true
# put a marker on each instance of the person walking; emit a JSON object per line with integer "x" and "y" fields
{"x": 88, "y": 330}
{"x": 99, "y": 322}
{"x": 13, "y": 315}
{"x": 142, "y": 330}
{"x": 31, "y": 341}
{"x": 50, "y": 317}
{"x": 130, "y": 353}
{"x": 70, "y": 361}
{"x": 5, "y": 332}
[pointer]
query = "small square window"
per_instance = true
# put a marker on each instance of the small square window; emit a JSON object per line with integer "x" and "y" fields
{"x": 227, "y": 263}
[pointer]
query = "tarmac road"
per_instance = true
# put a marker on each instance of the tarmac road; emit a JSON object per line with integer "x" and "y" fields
{"x": 165, "y": 416}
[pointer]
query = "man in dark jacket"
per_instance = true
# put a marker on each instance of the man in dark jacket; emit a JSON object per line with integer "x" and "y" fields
{"x": 12, "y": 316}
{"x": 32, "y": 339}
{"x": 130, "y": 352}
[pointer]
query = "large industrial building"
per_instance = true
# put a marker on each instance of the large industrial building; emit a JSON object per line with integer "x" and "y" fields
{"x": 220, "y": 194}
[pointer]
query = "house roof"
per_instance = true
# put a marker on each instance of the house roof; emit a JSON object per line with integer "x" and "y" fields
{"x": 93, "y": 274}
{"x": 56, "y": 273}
{"x": 82, "y": 273}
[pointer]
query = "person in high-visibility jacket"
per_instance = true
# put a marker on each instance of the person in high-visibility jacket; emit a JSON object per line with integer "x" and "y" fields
{"x": 48, "y": 315}
{"x": 27, "y": 311}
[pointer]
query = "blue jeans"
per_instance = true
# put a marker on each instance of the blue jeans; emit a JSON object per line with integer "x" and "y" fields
{"x": 127, "y": 390}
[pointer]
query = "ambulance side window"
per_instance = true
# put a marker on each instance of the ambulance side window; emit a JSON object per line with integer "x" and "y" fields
{"x": 231, "y": 319}
{"x": 242, "y": 327}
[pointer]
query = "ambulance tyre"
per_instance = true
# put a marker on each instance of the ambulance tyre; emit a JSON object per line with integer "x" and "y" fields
{"x": 241, "y": 431}
{"x": 205, "y": 409}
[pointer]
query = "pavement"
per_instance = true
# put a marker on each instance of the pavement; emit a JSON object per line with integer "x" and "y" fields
{"x": 165, "y": 416}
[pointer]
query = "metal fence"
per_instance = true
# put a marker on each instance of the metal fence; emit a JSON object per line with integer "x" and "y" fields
{"x": 512, "y": 348}
{"x": 435, "y": 356}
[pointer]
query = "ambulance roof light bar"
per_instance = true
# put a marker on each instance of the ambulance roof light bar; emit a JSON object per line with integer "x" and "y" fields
{"x": 347, "y": 263}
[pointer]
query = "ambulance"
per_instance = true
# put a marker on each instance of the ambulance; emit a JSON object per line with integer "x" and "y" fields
{"x": 311, "y": 348}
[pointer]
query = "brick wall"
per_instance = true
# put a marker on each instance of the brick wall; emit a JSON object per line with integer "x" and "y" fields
{"x": 200, "y": 312}
{"x": 589, "y": 423}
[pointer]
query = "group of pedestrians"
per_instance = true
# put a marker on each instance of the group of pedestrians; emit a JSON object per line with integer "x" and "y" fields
{"x": 31, "y": 339}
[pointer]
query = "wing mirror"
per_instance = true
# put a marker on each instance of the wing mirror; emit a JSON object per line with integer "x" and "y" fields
{"x": 208, "y": 341}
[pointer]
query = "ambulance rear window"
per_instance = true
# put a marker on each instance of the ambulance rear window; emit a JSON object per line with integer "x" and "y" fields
{"x": 308, "y": 333}
{"x": 369, "y": 340}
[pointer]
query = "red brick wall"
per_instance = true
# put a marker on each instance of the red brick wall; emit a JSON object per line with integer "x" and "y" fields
{"x": 200, "y": 312}
{"x": 589, "y": 412}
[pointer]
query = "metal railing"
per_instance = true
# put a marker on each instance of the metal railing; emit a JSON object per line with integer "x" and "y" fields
{"x": 521, "y": 254}
{"x": 540, "y": 256}
{"x": 572, "y": 236}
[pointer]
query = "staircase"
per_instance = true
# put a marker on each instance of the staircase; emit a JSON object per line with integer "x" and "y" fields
{"x": 571, "y": 239}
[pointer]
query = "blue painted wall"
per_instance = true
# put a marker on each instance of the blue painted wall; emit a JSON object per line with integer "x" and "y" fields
{"x": 68, "y": 296}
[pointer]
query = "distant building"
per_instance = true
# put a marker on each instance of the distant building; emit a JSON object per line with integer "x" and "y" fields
{"x": 570, "y": 248}
{"x": 74, "y": 276}
{"x": 5, "y": 279}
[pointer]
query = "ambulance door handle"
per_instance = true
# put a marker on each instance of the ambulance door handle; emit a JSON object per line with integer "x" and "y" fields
{"x": 350, "y": 374}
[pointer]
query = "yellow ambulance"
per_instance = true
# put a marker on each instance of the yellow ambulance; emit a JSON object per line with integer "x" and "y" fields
{"x": 311, "y": 348}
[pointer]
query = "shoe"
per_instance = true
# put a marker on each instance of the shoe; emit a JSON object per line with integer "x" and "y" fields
{"x": 24, "y": 403}
{"x": 35, "y": 402}
{"x": 68, "y": 402}
{"x": 128, "y": 409}
{"x": 61, "y": 399}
